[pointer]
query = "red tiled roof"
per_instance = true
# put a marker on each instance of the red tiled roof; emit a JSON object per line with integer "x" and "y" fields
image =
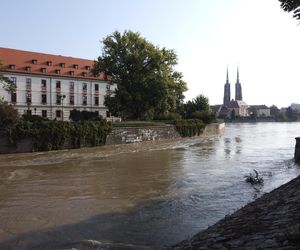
{"x": 37, "y": 63}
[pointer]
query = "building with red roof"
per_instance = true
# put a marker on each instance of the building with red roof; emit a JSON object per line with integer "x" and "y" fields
{"x": 52, "y": 85}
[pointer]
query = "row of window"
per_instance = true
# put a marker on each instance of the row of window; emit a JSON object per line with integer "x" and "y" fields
{"x": 58, "y": 84}
{"x": 59, "y": 99}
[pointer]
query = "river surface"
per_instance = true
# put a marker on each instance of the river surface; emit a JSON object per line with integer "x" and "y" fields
{"x": 138, "y": 195}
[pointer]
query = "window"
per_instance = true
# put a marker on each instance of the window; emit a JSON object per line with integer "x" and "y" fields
{"x": 49, "y": 63}
{"x": 108, "y": 87}
{"x": 44, "y": 99}
{"x": 96, "y": 100}
{"x": 58, "y": 99}
{"x": 57, "y": 71}
{"x": 84, "y": 86}
{"x": 14, "y": 81}
{"x": 58, "y": 84}
{"x": 28, "y": 98}
{"x": 44, "y": 83}
{"x": 71, "y": 73}
{"x": 84, "y": 74}
{"x": 44, "y": 113}
{"x": 71, "y": 85}
{"x": 62, "y": 65}
{"x": 28, "y": 83}
{"x": 43, "y": 70}
{"x": 58, "y": 113}
{"x": 13, "y": 97}
{"x": 84, "y": 100}
{"x": 75, "y": 66}
{"x": 34, "y": 61}
{"x": 71, "y": 100}
{"x": 96, "y": 87}
{"x": 28, "y": 69}
{"x": 12, "y": 66}
{"x": 87, "y": 67}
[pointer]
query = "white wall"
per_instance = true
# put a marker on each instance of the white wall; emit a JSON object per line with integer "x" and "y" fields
{"x": 36, "y": 106}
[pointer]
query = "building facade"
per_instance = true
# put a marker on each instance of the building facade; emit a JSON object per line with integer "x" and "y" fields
{"x": 52, "y": 85}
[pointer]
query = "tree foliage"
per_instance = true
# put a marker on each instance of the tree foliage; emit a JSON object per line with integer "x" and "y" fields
{"x": 291, "y": 6}
{"x": 147, "y": 84}
{"x": 6, "y": 83}
{"x": 8, "y": 116}
{"x": 198, "y": 108}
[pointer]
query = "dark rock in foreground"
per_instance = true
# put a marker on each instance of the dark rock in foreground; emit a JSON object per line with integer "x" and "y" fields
{"x": 270, "y": 222}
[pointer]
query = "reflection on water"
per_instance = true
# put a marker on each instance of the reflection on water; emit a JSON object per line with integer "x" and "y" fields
{"x": 150, "y": 194}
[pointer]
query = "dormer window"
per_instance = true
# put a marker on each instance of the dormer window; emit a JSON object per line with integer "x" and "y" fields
{"x": 28, "y": 69}
{"x": 75, "y": 66}
{"x": 71, "y": 73}
{"x": 12, "y": 66}
{"x": 43, "y": 70}
{"x": 57, "y": 71}
{"x": 49, "y": 63}
{"x": 34, "y": 61}
{"x": 84, "y": 74}
{"x": 62, "y": 65}
{"x": 87, "y": 67}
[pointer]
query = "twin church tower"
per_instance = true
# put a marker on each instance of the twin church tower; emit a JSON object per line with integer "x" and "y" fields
{"x": 238, "y": 90}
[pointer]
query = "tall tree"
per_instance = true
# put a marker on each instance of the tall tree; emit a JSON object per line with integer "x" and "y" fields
{"x": 291, "y": 6}
{"x": 147, "y": 83}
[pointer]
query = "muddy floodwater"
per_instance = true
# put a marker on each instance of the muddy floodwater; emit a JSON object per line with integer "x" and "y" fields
{"x": 148, "y": 195}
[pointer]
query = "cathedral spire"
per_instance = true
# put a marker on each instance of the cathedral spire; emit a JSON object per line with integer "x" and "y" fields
{"x": 227, "y": 80}
{"x": 226, "y": 99}
{"x": 238, "y": 87}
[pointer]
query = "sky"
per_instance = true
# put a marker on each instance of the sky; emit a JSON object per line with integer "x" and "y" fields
{"x": 208, "y": 36}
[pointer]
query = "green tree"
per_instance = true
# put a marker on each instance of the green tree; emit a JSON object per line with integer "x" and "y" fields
{"x": 291, "y": 114}
{"x": 274, "y": 111}
{"x": 147, "y": 83}
{"x": 8, "y": 116}
{"x": 6, "y": 83}
{"x": 198, "y": 104}
{"x": 291, "y": 6}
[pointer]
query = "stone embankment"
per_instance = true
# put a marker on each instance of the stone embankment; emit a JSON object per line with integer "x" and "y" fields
{"x": 270, "y": 222}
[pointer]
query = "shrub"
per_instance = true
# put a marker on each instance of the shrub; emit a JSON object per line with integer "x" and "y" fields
{"x": 205, "y": 116}
{"x": 168, "y": 117}
{"x": 8, "y": 116}
{"x": 77, "y": 115}
{"x": 190, "y": 127}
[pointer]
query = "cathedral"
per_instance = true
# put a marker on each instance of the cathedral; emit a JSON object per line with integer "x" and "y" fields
{"x": 239, "y": 107}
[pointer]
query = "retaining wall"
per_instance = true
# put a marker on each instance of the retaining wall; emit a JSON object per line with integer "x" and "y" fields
{"x": 117, "y": 136}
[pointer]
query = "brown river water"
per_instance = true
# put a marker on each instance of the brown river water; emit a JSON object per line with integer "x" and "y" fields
{"x": 147, "y": 195}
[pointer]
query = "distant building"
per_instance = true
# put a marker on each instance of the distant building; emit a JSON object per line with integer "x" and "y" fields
{"x": 261, "y": 110}
{"x": 240, "y": 108}
{"x": 52, "y": 85}
{"x": 238, "y": 105}
{"x": 295, "y": 106}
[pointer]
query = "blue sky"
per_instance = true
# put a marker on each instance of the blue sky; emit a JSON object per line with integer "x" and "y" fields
{"x": 207, "y": 36}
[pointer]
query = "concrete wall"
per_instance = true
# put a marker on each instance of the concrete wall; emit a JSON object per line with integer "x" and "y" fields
{"x": 117, "y": 136}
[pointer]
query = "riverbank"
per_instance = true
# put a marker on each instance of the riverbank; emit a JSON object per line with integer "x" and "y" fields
{"x": 270, "y": 222}
{"x": 122, "y": 135}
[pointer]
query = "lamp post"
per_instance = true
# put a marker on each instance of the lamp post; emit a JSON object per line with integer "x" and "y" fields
{"x": 62, "y": 106}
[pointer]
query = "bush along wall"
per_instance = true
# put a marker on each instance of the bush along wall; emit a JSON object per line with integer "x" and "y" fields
{"x": 189, "y": 127}
{"x": 54, "y": 135}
